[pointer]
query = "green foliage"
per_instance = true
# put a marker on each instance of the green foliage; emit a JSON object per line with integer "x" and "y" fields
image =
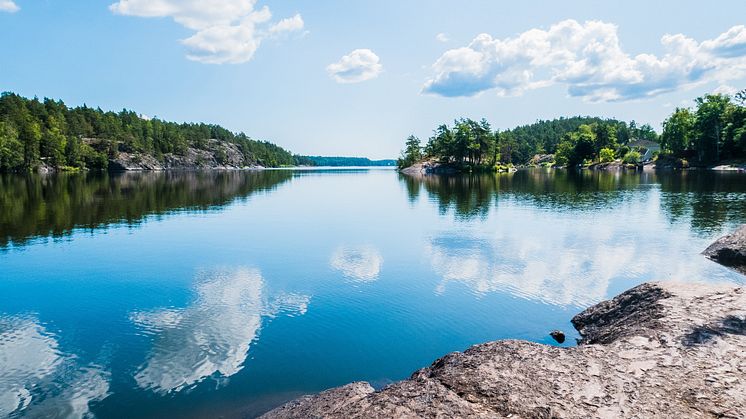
{"x": 411, "y": 154}
{"x": 708, "y": 126}
{"x": 678, "y": 131}
{"x": 544, "y": 137}
{"x": 715, "y": 130}
{"x": 633, "y": 157}
{"x": 11, "y": 148}
{"x": 583, "y": 144}
{"x": 220, "y": 155}
{"x": 606, "y": 155}
{"x": 563, "y": 154}
{"x": 574, "y": 140}
{"x": 468, "y": 143}
{"x": 52, "y": 133}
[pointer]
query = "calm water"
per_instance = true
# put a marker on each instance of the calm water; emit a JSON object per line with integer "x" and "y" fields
{"x": 225, "y": 294}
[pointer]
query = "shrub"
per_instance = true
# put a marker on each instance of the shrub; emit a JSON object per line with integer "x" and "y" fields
{"x": 606, "y": 155}
{"x": 633, "y": 157}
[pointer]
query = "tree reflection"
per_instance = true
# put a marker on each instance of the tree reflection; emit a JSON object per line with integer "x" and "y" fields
{"x": 705, "y": 199}
{"x": 52, "y": 206}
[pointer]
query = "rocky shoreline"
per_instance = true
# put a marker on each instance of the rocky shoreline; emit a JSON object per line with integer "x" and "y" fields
{"x": 218, "y": 155}
{"x": 657, "y": 350}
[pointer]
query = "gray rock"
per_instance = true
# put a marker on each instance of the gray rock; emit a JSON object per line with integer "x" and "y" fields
{"x": 730, "y": 250}
{"x": 657, "y": 350}
{"x": 215, "y": 155}
{"x": 430, "y": 167}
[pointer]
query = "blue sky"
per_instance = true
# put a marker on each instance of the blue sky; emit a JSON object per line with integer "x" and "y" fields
{"x": 355, "y": 78}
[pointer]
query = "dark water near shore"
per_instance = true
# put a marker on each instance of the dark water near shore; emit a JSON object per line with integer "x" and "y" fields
{"x": 198, "y": 294}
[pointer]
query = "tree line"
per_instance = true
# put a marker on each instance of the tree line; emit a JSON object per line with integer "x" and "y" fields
{"x": 42, "y": 207}
{"x": 340, "y": 161}
{"x": 47, "y": 132}
{"x": 713, "y": 131}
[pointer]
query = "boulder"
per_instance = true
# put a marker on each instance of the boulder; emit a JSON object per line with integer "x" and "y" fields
{"x": 730, "y": 250}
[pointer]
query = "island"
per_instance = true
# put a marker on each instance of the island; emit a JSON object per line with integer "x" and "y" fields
{"x": 712, "y": 134}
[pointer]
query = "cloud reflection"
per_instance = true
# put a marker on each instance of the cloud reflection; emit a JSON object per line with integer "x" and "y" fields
{"x": 566, "y": 264}
{"x": 211, "y": 337}
{"x": 38, "y": 379}
{"x": 358, "y": 263}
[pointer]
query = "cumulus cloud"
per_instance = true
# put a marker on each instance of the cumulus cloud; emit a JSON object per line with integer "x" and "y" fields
{"x": 359, "y": 65}
{"x": 588, "y": 59}
{"x": 8, "y": 6}
{"x": 290, "y": 24}
{"x": 211, "y": 337}
{"x": 441, "y": 37}
{"x": 225, "y": 31}
{"x": 359, "y": 263}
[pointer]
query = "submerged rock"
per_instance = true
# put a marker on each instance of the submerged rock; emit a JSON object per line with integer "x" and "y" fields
{"x": 730, "y": 250}
{"x": 657, "y": 350}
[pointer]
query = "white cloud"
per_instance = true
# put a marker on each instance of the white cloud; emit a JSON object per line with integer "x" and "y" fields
{"x": 8, "y": 6}
{"x": 290, "y": 24}
{"x": 211, "y": 337}
{"x": 360, "y": 263}
{"x": 726, "y": 89}
{"x": 226, "y": 31}
{"x": 441, "y": 37}
{"x": 357, "y": 66}
{"x": 589, "y": 60}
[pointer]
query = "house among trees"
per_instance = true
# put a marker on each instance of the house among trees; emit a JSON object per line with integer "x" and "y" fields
{"x": 646, "y": 148}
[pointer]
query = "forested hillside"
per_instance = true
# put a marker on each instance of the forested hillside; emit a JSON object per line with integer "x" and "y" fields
{"x": 49, "y": 133}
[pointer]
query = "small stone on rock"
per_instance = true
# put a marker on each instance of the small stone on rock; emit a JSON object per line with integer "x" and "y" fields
{"x": 558, "y": 335}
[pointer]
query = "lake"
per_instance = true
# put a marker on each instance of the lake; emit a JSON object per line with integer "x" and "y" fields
{"x": 206, "y": 294}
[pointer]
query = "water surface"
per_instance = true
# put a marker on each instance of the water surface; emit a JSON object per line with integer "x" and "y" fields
{"x": 192, "y": 294}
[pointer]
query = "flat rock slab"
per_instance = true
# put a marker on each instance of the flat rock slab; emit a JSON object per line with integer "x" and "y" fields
{"x": 730, "y": 250}
{"x": 658, "y": 350}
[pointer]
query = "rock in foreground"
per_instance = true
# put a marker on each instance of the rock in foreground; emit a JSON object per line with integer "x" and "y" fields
{"x": 730, "y": 250}
{"x": 657, "y": 350}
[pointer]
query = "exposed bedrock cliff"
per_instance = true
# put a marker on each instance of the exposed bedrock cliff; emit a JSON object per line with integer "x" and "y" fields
{"x": 657, "y": 350}
{"x": 217, "y": 155}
